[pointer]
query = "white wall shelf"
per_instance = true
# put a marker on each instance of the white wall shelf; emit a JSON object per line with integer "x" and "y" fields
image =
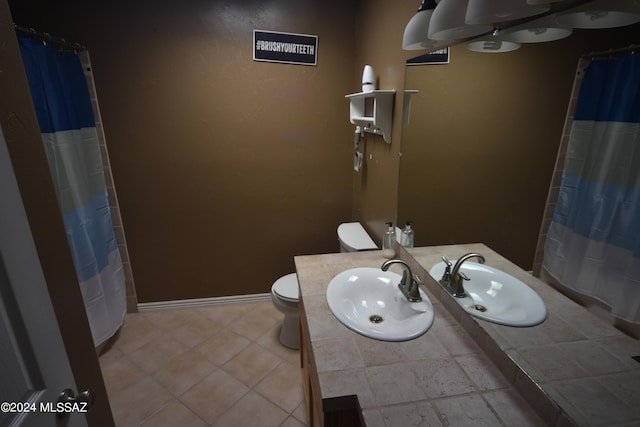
{"x": 373, "y": 111}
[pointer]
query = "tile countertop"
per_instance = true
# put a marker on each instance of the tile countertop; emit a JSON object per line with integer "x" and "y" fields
{"x": 465, "y": 371}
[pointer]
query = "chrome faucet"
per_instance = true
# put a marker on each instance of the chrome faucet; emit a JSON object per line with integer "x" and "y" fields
{"x": 409, "y": 284}
{"x": 452, "y": 279}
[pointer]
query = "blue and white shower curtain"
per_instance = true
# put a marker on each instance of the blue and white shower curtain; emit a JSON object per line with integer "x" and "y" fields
{"x": 65, "y": 115}
{"x": 593, "y": 244}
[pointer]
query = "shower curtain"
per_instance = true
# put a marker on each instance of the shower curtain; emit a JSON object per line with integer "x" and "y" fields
{"x": 593, "y": 244}
{"x": 63, "y": 107}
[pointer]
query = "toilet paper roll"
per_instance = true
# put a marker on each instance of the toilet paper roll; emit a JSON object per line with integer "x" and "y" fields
{"x": 357, "y": 161}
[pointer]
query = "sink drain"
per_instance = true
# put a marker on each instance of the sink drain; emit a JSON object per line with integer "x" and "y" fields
{"x": 374, "y": 318}
{"x": 480, "y": 307}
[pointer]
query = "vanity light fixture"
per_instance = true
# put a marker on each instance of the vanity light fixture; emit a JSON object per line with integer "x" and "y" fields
{"x": 448, "y": 22}
{"x": 492, "y": 11}
{"x": 492, "y": 43}
{"x": 601, "y": 14}
{"x": 415, "y": 33}
{"x": 541, "y": 30}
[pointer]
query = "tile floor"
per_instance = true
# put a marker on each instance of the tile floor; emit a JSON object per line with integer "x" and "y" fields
{"x": 213, "y": 366}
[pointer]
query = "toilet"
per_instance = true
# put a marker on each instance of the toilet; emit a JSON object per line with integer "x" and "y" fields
{"x": 353, "y": 237}
{"x": 285, "y": 292}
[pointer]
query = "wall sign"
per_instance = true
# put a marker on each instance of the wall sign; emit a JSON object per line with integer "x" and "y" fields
{"x": 289, "y": 48}
{"x": 440, "y": 56}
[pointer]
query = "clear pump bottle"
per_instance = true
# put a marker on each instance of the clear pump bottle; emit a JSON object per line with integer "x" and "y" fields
{"x": 407, "y": 236}
{"x": 389, "y": 241}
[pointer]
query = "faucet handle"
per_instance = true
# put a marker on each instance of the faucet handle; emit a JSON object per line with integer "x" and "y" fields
{"x": 446, "y": 276}
{"x": 464, "y": 276}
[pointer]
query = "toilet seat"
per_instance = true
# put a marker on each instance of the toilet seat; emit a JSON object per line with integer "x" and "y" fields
{"x": 354, "y": 236}
{"x": 286, "y": 287}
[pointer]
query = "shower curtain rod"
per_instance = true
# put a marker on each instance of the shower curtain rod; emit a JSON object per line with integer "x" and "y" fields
{"x": 49, "y": 39}
{"x": 630, "y": 48}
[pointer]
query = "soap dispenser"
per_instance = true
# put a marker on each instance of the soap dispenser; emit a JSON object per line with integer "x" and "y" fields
{"x": 388, "y": 242}
{"x": 407, "y": 236}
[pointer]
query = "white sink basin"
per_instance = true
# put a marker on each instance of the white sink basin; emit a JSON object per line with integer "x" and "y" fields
{"x": 497, "y": 296}
{"x": 368, "y": 301}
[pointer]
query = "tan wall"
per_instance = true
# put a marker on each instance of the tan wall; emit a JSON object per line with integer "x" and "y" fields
{"x": 479, "y": 153}
{"x": 225, "y": 168}
{"x": 476, "y": 160}
{"x": 379, "y": 44}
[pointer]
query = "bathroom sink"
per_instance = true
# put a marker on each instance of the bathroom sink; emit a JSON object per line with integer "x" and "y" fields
{"x": 368, "y": 301}
{"x": 496, "y": 296}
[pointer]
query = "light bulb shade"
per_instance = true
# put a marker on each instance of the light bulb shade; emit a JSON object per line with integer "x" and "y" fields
{"x": 541, "y": 30}
{"x": 493, "y": 11}
{"x": 491, "y": 44}
{"x": 447, "y": 22}
{"x": 416, "y": 31}
{"x": 601, "y": 14}
{"x": 538, "y": 34}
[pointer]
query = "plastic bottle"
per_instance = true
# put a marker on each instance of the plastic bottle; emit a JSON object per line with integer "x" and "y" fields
{"x": 368, "y": 79}
{"x": 407, "y": 236}
{"x": 388, "y": 242}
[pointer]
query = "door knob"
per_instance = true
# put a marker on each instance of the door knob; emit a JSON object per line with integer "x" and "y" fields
{"x": 80, "y": 403}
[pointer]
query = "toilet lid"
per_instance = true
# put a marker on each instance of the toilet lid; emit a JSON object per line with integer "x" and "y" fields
{"x": 354, "y": 235}
{"x": 286, "y": 287}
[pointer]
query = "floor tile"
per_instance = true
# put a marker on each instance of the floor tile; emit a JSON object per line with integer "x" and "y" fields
{"x": 253, "y": 410}
{"x": 120, "y": 374}
{"x": 222, "y": 346}
{"x": 135, "y": 332}
{"x": 175, "y": 413}
{"x": 184, "y": 371}
{"x": 225, "y": 314}
{"x": 292, "y": 422}
{"x": 252, "y": 364}
{"x": 109, "y": 356}
{"x": 214, "y": 395}
{"x": 271, "y": 341}
{"x": 207, "y": 366}
{"x": 283, "y": 386}
{"x": 156, "y": 353}
{"x": 169, "y": 320}
{"x": 194, "y": 331}
{"x": 253, "y": 324}
{"x": 301, "y": 413}
{"x": 138, "y": 402}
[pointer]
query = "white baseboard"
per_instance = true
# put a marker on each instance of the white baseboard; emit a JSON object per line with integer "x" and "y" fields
{"x": 203, "y": 302}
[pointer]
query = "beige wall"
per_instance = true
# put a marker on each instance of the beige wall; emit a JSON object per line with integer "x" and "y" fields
{"x": 477, "y": 157}
{"x": 477, "y": 164}
{"x": 225, "y": 168}
{"x": 379, "y": 44}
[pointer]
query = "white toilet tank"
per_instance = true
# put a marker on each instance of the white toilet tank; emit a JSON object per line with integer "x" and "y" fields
{"x": 353, "y": 238}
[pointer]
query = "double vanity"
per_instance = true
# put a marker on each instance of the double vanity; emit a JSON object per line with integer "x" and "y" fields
{"x": 373, "y": 356}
